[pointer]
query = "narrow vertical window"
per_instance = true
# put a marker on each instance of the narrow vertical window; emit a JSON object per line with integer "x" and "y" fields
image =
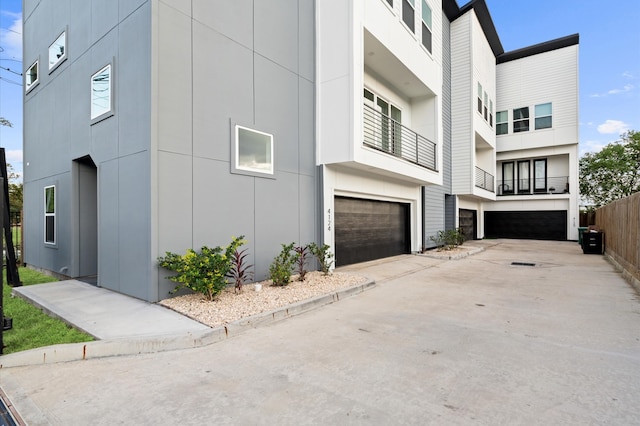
{"x": 521, "y": 120}
{"x": 101, "y": 93}
{"x": 523, "y": 177}
{"x": 426, "y": 26}
{"x": 508, "y": 178}
{"x": 31, "y": 77}
{"x": 490, "y": 113}
{"x": 540, "y": 175}
{"x": 50, "y": 214}
{"x": 486, "y": 105}
{"x": 543, "y": 116}
{"x": 502, "y": 122}
{"x": 479, "y": 98}
{"x": 58, "y": 51}
{"x": 409, "y": 13}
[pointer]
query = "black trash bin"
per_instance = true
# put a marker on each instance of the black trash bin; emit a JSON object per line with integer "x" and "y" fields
{"x": 592, "y": 242}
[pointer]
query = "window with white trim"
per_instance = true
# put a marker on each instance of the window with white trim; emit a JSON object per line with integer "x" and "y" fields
{"x": 101, "y": 93}
{"x": 490, "y": 113}
{"x": 409, "y": 13}
{"x": 502, "y": 122}
{"x": 479, "y": 98}
{"x": 50, "y": 214}
{"x": 486, "y": 108}
{"x": 426, "y": 26}
{"x": 58, "y": 51}
{"x": 543, "y": 116}
{"x": 521, "y": 119}
{"x": 253, "y": 151}
{"x": 31, "y": 77}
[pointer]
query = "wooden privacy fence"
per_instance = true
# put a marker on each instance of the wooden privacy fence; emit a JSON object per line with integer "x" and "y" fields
{"x": 620, "y": 222}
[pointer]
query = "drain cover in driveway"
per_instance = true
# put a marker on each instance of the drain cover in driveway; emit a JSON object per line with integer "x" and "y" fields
{"x": 523, "y": 264}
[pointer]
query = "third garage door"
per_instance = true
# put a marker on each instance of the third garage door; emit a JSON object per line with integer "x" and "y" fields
{"x": 535, "y": 225}
{"x": 370, "y": 229}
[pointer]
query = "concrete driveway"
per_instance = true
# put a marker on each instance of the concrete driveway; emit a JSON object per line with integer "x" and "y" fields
{"x": 443, "y": 342}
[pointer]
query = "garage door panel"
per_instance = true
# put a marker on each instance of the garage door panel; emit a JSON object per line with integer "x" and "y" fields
{"x": 368, "y": 229}
{"x": 535, "y": 225}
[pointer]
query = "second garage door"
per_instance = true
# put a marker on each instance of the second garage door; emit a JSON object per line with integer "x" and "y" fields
{"x": 534, "y": 225}
{"x": 369, "y": 229}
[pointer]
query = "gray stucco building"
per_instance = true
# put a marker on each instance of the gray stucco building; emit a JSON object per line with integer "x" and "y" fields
{"x": 133, "y": 114}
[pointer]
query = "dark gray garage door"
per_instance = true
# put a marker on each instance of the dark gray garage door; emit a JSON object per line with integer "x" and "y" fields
{"x": 368, "y": 230}
{"x": 534, "y": 225}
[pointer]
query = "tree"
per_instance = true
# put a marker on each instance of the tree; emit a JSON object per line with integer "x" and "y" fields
{"x": 612, "y": 173}
{"x": 5, "y": 122}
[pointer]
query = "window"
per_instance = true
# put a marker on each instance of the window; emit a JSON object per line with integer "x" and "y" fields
{"x": 253, "y": 151}
{"x": 543, "y": 116}
{"x": 540, "y": 175}
{"x": 426, "y": 25}
{"x": 101, "y": 94}
{"x": 521, "y": 120}
{"x": 491, "y": 113}
{"x": 508, "y": 178}
{"x": 408, "y": 14}
{"x": 486, "y": 101}
{"x": 523, "y": 177}
{"x": 58, "y": 51}
{"x": 390, "y": 2}
{"x": 502, "y": 122}
{"x": 50, "y": 214}
{"x": 31, "y": 77}
{"x": 382, "y": 124}
{"x": 479, "y": 98}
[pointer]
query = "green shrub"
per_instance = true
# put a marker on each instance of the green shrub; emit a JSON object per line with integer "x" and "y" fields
{"x": 204, "y": 272}
{"x": 449, "y": 239}
{"x": 324, "y": 256}
{"x": 282, "y": 265}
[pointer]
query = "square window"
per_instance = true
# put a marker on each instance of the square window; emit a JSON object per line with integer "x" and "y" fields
{"x": 502, "y": 123}
{"x": 58, "y": 51}
{"x": 521, "y": 120}
{"x": 101, "y": 94}
{"x": 31, "y": 77}
{"x": 543, "y": 116}
{"x": 253, "y": 151}
{"x": 50, "y": 214}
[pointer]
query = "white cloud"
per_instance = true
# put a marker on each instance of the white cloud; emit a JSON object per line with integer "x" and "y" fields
{"x": 627, "y": 74}
{"x": 14, "y": 156}
{"x": 591, "y": 146}
{"x": 613, "y": 127}
{"x": 626, "y": 88}
{"x": 11, "y": 38}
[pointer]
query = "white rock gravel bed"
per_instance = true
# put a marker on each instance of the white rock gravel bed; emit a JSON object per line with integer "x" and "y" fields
{"x": 229, "y": 307}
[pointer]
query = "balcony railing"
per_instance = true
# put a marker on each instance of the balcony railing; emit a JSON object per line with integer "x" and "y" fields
{"x": 484, "y": 180}
{"x": 385, "y": 134}
{"x": 539, "y": 186}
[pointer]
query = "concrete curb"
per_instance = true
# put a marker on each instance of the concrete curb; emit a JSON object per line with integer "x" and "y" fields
{"x": 160, "y": 343}
{"x": 444, "y": 256}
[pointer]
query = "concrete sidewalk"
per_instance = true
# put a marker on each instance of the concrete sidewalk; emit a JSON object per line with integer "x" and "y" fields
{"x": 552, "y": 339}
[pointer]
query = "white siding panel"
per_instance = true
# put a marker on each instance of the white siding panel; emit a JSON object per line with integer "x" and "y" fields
{"x": 461, "y": 106}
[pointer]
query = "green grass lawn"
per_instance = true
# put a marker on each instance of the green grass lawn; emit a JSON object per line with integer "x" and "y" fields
{"x": 31, "y": 327}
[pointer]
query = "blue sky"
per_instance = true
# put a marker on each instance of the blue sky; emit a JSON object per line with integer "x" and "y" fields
{"x": 609, "y": 61}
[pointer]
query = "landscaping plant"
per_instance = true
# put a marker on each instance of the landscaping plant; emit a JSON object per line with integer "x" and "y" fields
{"x": 302, "y": 252}
{"x": 282, "y": 265}
{"x": 324, "y": 256}
{"x": 449, "y": 239}
{"x": 204, "y": 272}
{"x": 240, "y": 272}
